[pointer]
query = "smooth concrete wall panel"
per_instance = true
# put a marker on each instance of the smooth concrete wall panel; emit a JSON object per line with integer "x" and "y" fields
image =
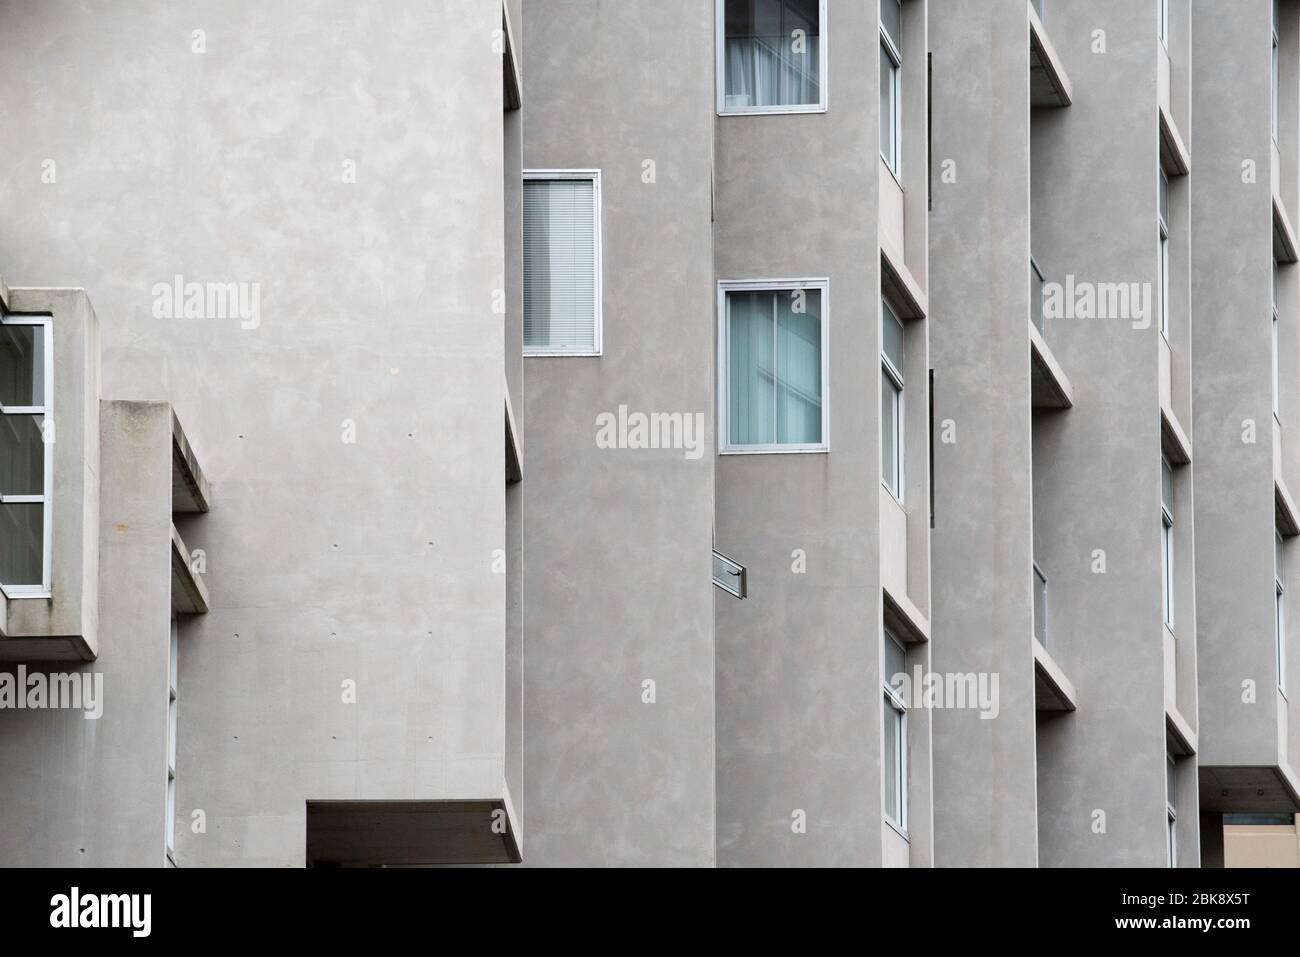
{"x": 616, "y": 541}
{"x": 799, "y": 702}
{"x": 331, "y": 560}
{"x": 90, "y": 792}
{"x": 982, "y": 539}
{"x": 1232, "y": 220}
{"x": 1098, "y": 466}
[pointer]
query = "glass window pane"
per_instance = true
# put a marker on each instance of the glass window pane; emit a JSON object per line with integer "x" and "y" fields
{"x": 895, "y": 658}
{"x": 799, "y": 367}
{"x": 892, "y": 762}
{"x": 891, "y": 18}
{"x": 751, "y": 368}
{"x": 22, "y": 365}
{"x": 22, "y": 455}
{"x": 888, "y": 78}
{"x": 890, "y": 414}
{"x": 560, "y": 265}
{"x": 1164, "y": 199}
{"x": 1167, "y": 487}
{"x": 1277, "y": 557}
{"x": 1040, "y": 606}
{"x": 1169, "y": 784}
{"x": 772, "y": 53}
{"x": 891, "y": 336}
{"x": 22, "y": 539}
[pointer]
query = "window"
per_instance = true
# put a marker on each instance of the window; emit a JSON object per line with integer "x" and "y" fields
{"x": 1164, "y": 253}
{"x": 1167, "y": 540}
{"x": 1164, "y": 23}
{"x": 1040, "y": 605}
{"x": 771, "y": 58}
{"x": 1279, "y": 607}
{"x": 1274, "y": 87}
{"x": 1040, "y": 7}
{"x": 1276, "y": 351}
{"x": 891, "y": 67}
{"x": 171, "y": 743}
{"x": 773, "y": 366}
{"x": 562, "y": 286}
{"x": 895, "y": 758}
{"x": 1036, "y": 293}
{"x": 891, "y": 400}
{"x": 26, "y": 454}
{"x": 1171, "y": 810}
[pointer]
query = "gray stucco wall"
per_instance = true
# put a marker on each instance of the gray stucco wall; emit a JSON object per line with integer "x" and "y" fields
{"x": 370, "y": 561}
{"x": 616, "y": 541}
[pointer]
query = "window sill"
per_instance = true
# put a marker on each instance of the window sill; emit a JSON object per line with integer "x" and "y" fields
{"x": 15, "y": 593}
{"x": 775, "y": 450}
{"x": 774, "y": 110}
{"x": 563, "y": 355}
{"x": 901, "y": 832}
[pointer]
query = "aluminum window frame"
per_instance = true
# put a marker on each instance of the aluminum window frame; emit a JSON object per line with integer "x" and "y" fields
{"x": 1171, "y": 807}
{"x": 172, "y": 671}
{"x": 720, "y": 69}
{"x": 1167, "y": 545}
{"x": 1162, "y": 218}
{"x": 823, "y": 285}
{"x": 893, "y": 51}
{"x": 46, "y": 499}
{"x": 1164, "y": 24}
{"x": 1040, "y": 624}
{"x": 598, "y": 337}
{"x": 889, "y": 372}
{"x": 1275, "y": 86}
{"x": 1279, "y": 607}
{"x": 892, "y": 699}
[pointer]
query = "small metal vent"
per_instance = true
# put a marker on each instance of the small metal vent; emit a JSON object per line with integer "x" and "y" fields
{"x": 729, "y": 575}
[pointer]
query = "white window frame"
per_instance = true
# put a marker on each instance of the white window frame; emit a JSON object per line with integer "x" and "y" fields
{"x": 1171, "y": 807}
{"x": 1163, "y": 221}
{"x": 1275, "y": 85}
{"x": 894, "y": 375}
{"x": 1167, "y": 547}
{"x": 725, "y": 286}
{"x": 720, "y": 68}
{"x": 593, "y": 175}
{"x": 1279, "y": 607}
{"x": 1276, "y": 350}
{"x": 888, "y": 48}
{"x": 1164, "y": 24}
{"x": 46, "y": 498}
{"x": 172, "y": 670}
{"x": 892, "y": 699}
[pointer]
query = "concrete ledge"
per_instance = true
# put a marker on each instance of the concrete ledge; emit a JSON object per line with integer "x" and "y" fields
{"x": 904, "y": 619}
{"x": 1173, "y": 440}
{"x": 1182, "y": 739}
{"x": 899, "y": 285}
{"x": 1052, "y": 690}
{"x": 1249, "y": 788}
{"x": 189, "y": 594}
{"x": 190, "y": 489}
{"x": 1050, "y": 388}
{"x": 1174, "y": 157}
{"x": 514, "y": 451}
{"x": 1285, "y": 247}
{"x": 1284, "y": 507}
{"x": 513, "y": 83}
{"x": 1048, "y": 84}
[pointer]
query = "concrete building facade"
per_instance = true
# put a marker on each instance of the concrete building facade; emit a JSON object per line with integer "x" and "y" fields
{"x": 535, "y": 359}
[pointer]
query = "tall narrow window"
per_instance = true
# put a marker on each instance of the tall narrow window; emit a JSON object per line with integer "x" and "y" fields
{"x": 891, "y": 400}
{"x": 1040, "y": 7}
{"x": 1164, "y": 23}
{"x": 1279, "y": 607}
{"x": 26, "y": 454}
{"x": 562, "y": 263}
{"x": 771, "y": 56}
{"x": 1274, "y": 87}
{"x": 895, "y": 757}
{"x": 171, "y": 742}
{"x": 1171, "y": 809}
{"x": 1167, "y": 540}
{"x": 891, "y": 68}
{"x": 1276, "y": 351}
{"x": 1164, "y": 252}
{"x": 774, "y": 367}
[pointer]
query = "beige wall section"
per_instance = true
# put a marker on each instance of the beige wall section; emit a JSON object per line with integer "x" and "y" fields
{"x": 1261, "y": 845}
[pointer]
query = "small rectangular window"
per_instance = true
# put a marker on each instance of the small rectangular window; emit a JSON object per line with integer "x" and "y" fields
{"x": 771, "y": 56}
{"x": 1274, "y": 85}
{"x": 1164, "y": 252}
{"x": 1164, "y": 23}
{"x": 172, "y": 664}
{"x": 562, "y": 287}
{"x": 1171, "y": 809}
{"x": 1036, "y": 293}
{"x": 1040, "y": 605}
{"x": 774, "y": 364}
{"x": 1276, "y": 350}
{"x": 894, "y": 762}
{"x": 891, "y": 400}
{"x": 26, "y": 455}
{"x": 1279, "y": 607}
